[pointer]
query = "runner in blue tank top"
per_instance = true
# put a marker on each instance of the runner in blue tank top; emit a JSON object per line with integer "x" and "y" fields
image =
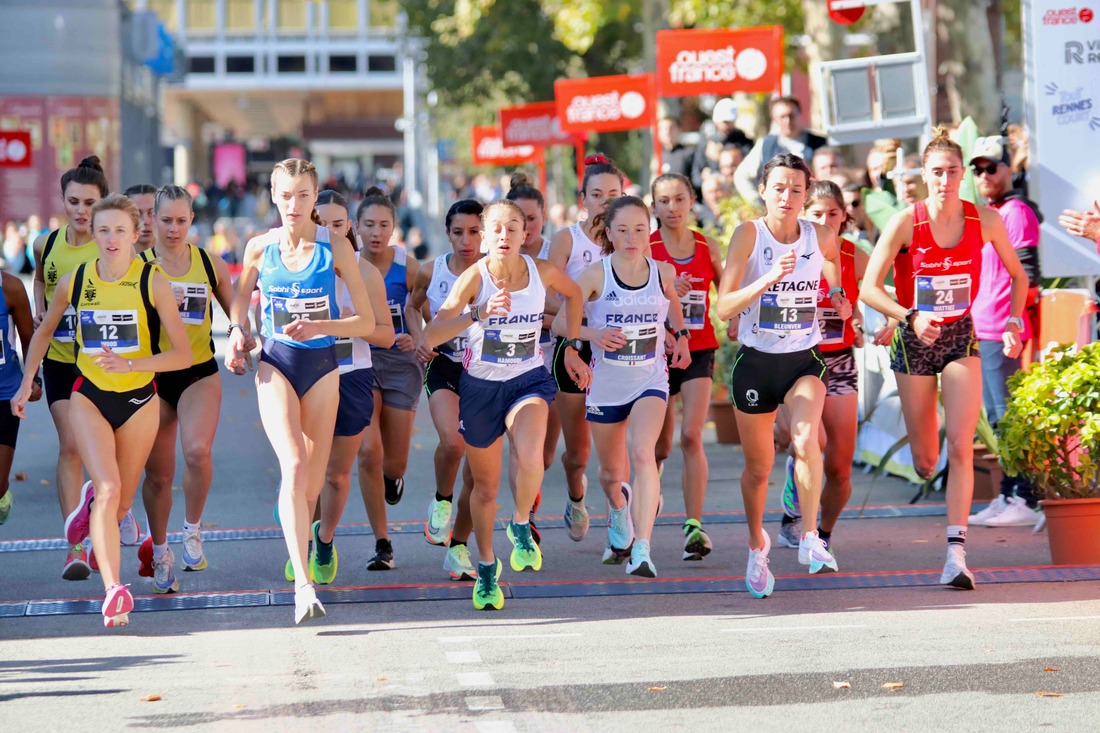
{"x": 297, "y": 381}
{"x": 398, "y": 376}
{"x": 15, "y": 317}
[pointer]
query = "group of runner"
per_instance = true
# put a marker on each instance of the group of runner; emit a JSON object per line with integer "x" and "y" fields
{"x": 592, "y": 333}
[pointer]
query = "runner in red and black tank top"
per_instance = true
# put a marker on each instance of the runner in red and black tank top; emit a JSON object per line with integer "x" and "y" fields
{"x": 838, "y": 334}
{"x": 944, "y": 280}
{"x": 698, "y": 263}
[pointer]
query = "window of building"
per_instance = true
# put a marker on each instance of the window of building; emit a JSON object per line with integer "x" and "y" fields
{"x": 291, "y": 64}
{"x": 342, "y": 64}
{"x": 202, "y": 16}
{"x": 291, "y": 15}
{"x": 201, "y": 64}
{"x": 240, "y": 16}
{"x": 343, "y": 16}
{"x": 383, "y": 14}
{"x": 166, "y": 11}
{"x": 381, "y": 64}
{"x": 240, "y": 64}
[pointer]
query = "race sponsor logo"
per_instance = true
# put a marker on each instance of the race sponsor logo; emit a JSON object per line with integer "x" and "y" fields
{"x": 718, "y": 65}
{"x": 945, "y": 264}
{"x": 605, "y": 107}
{"x": 1082, "y": 53}
{"x": 752, "y": 397}
{"x": 1073, "y": 106}
{"x": 1071, "y": 15}
{"x": 593, "y": 410}
{"x": 489, "y": 148}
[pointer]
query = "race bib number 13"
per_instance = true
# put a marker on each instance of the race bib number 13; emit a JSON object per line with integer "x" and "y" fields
{"x": 788, "y": 312}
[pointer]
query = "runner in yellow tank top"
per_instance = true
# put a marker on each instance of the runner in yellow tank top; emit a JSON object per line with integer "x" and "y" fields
{"x": 121, "y": 303}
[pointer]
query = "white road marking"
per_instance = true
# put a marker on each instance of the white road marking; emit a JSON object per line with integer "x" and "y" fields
{"x": 495, "y": 726}
{"x": 475, "y": 679}
{"x": 794, "y": 628}
{"x": 509, "y": 637}
{"x": 465, "y": 656}
{"x": 1053, "y": 618}
{"x": 485, "y": 702}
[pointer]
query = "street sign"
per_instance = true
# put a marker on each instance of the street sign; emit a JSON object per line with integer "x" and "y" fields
{"x": 606, "y": 103}
{"x": 489, "y": 149}
{"x": 15, "y": 149}
{"x": 722, "y": 61}
{"x": 534, "y": 124}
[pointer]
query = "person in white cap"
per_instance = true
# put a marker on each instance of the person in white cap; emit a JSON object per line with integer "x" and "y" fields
{"x": 787, "y": 136}
{"x": 707, "y": 153}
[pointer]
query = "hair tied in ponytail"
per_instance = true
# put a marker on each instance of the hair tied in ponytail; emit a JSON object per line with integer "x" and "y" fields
{"x": 597, "y": 158}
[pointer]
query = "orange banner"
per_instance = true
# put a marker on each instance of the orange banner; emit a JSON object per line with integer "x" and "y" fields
{"x": 606, "y": 103}
{"x": 722, "y": 61}
{"x": 535, "y": 124}
{"x": 489, "y": 149}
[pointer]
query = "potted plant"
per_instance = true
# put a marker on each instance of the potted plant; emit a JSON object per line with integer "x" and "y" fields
{"x": 721, "y": 409}
{"x": 1051, "y": 432}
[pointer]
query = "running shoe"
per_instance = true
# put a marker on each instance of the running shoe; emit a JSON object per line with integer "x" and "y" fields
{"x": 813, "y": 552}
{"x": 193, "y": 557}
{"x": 995, "y": 507}
{"x": 1016, "y": 514}
{"x": 576, "y": 519}
{"x": 145, "y": 558}
{"x": 955, "y": 573}
{"x": 117, "y": 606}
{"x": 164, "y": 573}
{"x": 5, "y": 506}
{"x": 439, "y": 520}
{"x": 790, "y": 534}
{"x": 383, "y": 556}
{"x": 538, "y": 502}
{"x": 321, "y": 570}
{"x": 535, "y": 534}
{"x": 76, "y": 563}
{"x": 790, "y": 492}
{"x": 525, "y": 552}
{"x": 696, "y": 542}
{"x": 620, "y": 523}
{"x": 76, "y": 524}
{"x": 288, "y": 571}
{"x": 758, "y": 577}
{"x": 487, "y": 592}
{"x": 306, "y": 605}
{"x": 92, "y": 562}
{"x": 128, "y": 530}
{"x": 640, "y": 563}
{"x": 457, "y": 563}
{"x": 395, "y": 489}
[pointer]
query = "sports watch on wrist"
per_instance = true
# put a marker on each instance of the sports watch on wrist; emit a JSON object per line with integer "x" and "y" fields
{"x": 904, "y": 322}
{"x": 577, "y": 344}
{"x": 1015, "y": 321}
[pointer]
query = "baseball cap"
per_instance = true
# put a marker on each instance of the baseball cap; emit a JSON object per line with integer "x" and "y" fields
{"x": 724, "y": 111}
{"x": 990, "y": 148}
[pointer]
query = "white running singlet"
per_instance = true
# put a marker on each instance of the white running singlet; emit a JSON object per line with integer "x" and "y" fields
{"x": 506, "y": 346}
{"x": 352, "y": 353}
{"x": 583, "y": 252}
{"x": 443, "y": 281}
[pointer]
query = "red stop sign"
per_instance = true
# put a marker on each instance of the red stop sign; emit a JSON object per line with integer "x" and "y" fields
{"x": 845, "y": 15}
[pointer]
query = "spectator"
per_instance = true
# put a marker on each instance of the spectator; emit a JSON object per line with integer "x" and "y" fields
{"x": 827, "y": 162}
{"x": 675, "y": 157}
{"x": 728, "y": 160}
{"x": 788, "y": 136}
{"x": 857, "y": 215}
{"x": 726, "y": 133}
{"x": 1083, "y": 223}
{"x": 992, "y": 168}
{"x": 708, "y": 210}
{"x": 880, "y": 159}
{"x": 1018, "y": 145}
{"x": 908, "y": 184}
{"x": 15, "y": 249}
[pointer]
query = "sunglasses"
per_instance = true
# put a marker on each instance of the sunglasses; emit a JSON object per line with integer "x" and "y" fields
{"x": 986, "y": 169}
{"x": 854, "y": 204}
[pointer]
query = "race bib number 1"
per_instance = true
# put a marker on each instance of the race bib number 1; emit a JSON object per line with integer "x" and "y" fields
{"x": 285, "y": 311}
{"x": 192, "y": 299}
{"x": 694, "y": 303}
{"x": 66, "y": 330}
{"x": 640, "y": 347}
{"x": 500, "y": 346}
{"x": 788, "y": 312}
{"x": 115, "y": 329}
{"x": 943, "y": 295}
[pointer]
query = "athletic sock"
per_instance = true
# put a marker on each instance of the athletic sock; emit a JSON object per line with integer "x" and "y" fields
{"x": 956, "y": 535}
{"x": 521, "y": 524}
{"x": 486, "y": 565}
{"x": 440, "y": 497}
{"x": 159, "y": 550}
{"x": 324, "y": 551}
{"x": 189, "y": 527}
{"x": 787, "y": 519}
{"x": 457, "y": 543}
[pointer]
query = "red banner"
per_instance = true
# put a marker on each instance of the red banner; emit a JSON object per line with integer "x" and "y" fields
{"x": 489, "y": 149}
{"x": 535, "y": 124}
{"x": 15, "y": 149}
{"x": 722, "y": 61}
{"x": 606, "y": 103}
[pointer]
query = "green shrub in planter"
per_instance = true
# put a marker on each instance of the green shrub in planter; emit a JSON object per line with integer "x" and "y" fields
{"x": 1051, "y": 427}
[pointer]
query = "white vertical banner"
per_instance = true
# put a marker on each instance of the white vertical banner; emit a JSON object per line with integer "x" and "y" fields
{"x": 1062, "y": 96}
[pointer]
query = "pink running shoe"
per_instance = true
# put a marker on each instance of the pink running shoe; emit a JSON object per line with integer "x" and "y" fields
{"x": 76, "y": 524}
{"x": 117, "y": 606}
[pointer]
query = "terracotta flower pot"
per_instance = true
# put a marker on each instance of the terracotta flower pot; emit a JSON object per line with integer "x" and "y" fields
{"x": 1073, "y": 529}
{"x": 725, "y": 422}
{"x": 987, "y": 475}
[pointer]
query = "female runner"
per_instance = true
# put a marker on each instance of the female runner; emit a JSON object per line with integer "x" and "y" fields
{"x": 505, "y": 387}
{"x": 297, "y": 379}
{"x": 572, "y": 250}
{"x": 772, "y": 275}
{"x": 398, "y": 377}
{"x": 626, "y": 300}
{"x": 434, "y": 284}
{"x": 936, "y": 281}
{"x": 698, "y": 263}
{"x": 15, "y": 319}
{"x": 121, "y": 303}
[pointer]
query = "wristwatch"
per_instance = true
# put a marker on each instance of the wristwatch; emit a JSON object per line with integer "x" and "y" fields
{"x": 904, "y": 322}
{"x": 577, "y": 344}
{"x": 229, "y": 331}
{"x": 836, "y": 290}
{"x": 683, "y": 332}
{"x": 1015, "y": 321}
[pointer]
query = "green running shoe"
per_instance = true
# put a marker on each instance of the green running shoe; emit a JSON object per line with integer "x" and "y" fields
{"x": 697, "y": 543}
{"x": 288, "y": 572}
{"x": 5, "y": 507}
{"x": 323, "y": 572}
{"x": 487, "y": 592}
{"x": 525, "y": 552}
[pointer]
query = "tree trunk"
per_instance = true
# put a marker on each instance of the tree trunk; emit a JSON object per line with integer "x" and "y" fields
{"x": 966, "y": 74}
{"x": 826, "y": 44}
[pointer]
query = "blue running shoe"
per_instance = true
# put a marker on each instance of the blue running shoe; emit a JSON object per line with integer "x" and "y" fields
{"x": 620, "y": 523}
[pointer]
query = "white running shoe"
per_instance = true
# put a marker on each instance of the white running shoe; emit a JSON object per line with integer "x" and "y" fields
{"x": 128, "y": 531}
{"x": 758, "y": 578}
{"x": 193, "y": 556}
{"x": 790, "y": 535}
{"x": 164, "y": 573}
{"x": 813, "y": 552}
{"x": 1016, "y": 514}
{"x": 955, "y": 572}
{"x": 995, "y": 507}
{"x": 437, "y": 528}
{"x": 457, "y": 562}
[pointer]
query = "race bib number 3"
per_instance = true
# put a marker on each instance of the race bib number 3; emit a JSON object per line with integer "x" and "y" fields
{"x": 66, "y": 330}
{"x": 285, "y": 311}
{"x": 114, "y": 329}
{"x": 694, "y": 303}
{"x": 943, "y": 295}
{"x": 831, "y": 325}
{"x": 640, "y": 347}
{"x": 192, "y": 300}
{"x": 500, "y": 346}
{"x": 788, "y": 312}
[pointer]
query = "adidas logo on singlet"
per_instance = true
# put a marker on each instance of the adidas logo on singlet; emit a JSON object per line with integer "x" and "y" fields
{"x": 611, "y": 296}
{"x": 593, "y": 410}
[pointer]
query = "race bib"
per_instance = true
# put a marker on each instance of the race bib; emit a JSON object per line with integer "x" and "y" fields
{"x": 831, "y": 325}
{"x": 640, "y": 347}
{"x": 344, "y": 351}
{"x": 508, "y": 346}
{"x": 193, "y": 299}
{"x": 397, "y": 313}
{"x": 115, "y": 329}
{"x": 455, "y": 348}
{"x": 788, "y": 312}
{"x": 545, "y": 337}
{"x": 285, "y": 311}
{"x": 66, "y": 330}
{"x": 943, "y": 295}
{"x": 694, "y": 303}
